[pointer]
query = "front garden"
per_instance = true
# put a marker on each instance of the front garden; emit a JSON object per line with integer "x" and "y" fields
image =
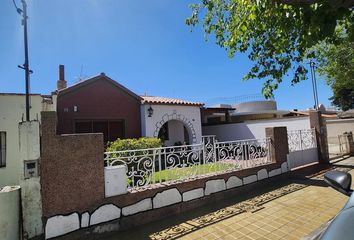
{"x": 147, "y": 162}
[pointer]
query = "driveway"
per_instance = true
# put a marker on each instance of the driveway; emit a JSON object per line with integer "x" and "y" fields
{"x": 291, "y": 209}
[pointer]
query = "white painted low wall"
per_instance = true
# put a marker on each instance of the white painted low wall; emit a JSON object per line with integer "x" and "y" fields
{"x": 9, "y": 213}
{"x": 254, "y": 129}
{"x": 115, "y": 180}
{"x": 101, "y": 217}
{"x": 31, "y": 207}
{"x": 302, "y": 157}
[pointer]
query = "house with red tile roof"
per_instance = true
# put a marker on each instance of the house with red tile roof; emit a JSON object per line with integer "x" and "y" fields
{"x": 175, "y": 121}
{"x": 100, "y": 104}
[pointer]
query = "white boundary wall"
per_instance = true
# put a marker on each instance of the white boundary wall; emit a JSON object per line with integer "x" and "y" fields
{"x": 30, "y": 187}
{"x": 302, "y": 157}
{"x": 10, "y": 213}
{"x": 337, "y": 127}
{"x": 254, "y": 129}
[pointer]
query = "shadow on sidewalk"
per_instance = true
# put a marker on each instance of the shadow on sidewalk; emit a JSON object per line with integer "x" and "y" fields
{"x": 177, "y": 226}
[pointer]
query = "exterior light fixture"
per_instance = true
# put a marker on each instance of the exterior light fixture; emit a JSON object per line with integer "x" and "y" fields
{"x": 150, "y": 111}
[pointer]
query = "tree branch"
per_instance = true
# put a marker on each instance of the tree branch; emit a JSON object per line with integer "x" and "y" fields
{"x": 336, "y": 3}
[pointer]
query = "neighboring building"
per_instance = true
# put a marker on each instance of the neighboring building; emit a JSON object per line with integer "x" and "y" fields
{"x": 243, "y": 111}
{"x": 248, "y": 119}
{"x": 12, "y": 112}
{"x": 347, "y": 114}
{"x": 98, "y": 104}
{"x": 175, "y": 121}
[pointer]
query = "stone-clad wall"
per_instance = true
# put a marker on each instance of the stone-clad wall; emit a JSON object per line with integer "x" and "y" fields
{"x": 72, "y": 179}
{"x": 133, "y": 209}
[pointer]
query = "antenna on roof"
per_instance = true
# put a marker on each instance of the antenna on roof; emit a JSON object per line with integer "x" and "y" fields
{"x": 82, "y": 76}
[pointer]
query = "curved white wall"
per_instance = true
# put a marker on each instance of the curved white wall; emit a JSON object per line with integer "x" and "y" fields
{"x": 255, "y": 106}
{"x": 9, "y": 213}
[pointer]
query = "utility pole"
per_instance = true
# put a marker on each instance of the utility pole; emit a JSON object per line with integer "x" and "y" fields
{"x": 25, "y": 66}
{"x": 314, "y": 83}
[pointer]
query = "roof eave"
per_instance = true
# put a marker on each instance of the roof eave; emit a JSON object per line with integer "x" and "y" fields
{"x": 93, "y": 79}
{"x": 178, "y": 104}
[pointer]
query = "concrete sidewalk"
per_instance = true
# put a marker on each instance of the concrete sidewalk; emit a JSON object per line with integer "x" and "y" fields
{"x": 287, "y": 210}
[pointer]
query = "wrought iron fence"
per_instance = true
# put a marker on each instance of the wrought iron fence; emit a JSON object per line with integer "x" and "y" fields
{"x": 301, "y": 139}
{"x": 245, "y": 153}
{"x": 145, "y": 167}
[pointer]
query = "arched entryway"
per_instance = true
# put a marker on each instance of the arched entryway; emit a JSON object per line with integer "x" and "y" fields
{"x": 174, "y": 130}
{"x": 174, "y": 133}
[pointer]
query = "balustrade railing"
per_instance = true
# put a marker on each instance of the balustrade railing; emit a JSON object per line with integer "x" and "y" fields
{"x": 145, "y": 167}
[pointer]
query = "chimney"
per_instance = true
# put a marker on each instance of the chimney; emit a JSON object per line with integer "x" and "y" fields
{"x": 61, "y": 83}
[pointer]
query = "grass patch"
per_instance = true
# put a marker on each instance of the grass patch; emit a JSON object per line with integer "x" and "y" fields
{"x": 195, "y": 170}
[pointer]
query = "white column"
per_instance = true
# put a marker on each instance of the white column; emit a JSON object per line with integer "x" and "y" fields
{"x": 29, "y": 179}
{"x": 9, "y": 213}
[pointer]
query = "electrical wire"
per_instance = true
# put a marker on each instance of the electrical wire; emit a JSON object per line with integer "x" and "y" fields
{"x": 19, "y": 10}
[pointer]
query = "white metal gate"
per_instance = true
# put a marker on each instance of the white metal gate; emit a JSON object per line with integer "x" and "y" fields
{"x": 302, "y": 148}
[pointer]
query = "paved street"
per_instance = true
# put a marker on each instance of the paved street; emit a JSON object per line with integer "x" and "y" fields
{"x": 289, "y": 210}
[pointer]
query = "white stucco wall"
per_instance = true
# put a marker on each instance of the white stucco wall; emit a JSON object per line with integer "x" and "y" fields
{"x": 9, "y": 213}
{"x": 30, "y": 186}
{"x": 189, "y": 115}
{"x": 255, "y": 106}
{"x": 254, "y": 129}
{"x": 339, "y": 126}
{"x": 31, "y": 207}
{"x": 302, "y": 157}
{"x": 12, "y": 110}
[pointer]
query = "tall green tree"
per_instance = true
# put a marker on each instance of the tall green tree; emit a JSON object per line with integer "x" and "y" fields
{"x": 336, "y": 64}
{"x": 276, "y": 34}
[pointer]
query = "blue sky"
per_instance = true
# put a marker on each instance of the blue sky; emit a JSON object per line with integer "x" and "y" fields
{"x": 144, "y": 45}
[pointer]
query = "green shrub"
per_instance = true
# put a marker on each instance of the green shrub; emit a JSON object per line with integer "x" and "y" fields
{"x": 133, "y": 143}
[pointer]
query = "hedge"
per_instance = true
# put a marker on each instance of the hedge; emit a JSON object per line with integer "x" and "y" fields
{"x": 133, "y": 144}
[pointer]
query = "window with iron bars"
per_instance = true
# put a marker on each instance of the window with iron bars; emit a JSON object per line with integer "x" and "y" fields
{"x": 2, "y": 149}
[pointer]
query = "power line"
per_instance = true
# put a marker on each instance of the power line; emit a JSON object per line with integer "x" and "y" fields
{"x": 19, "y": 10}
